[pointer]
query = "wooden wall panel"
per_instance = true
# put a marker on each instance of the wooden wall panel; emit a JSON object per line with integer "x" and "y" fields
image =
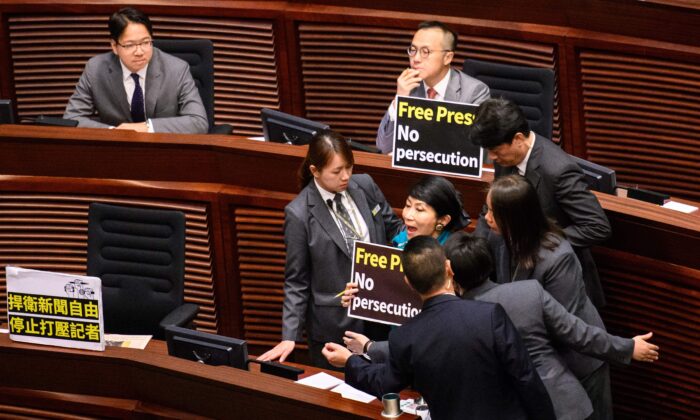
{"x": 349, "y": 71}
{"x": 48, "y": 231}
{"x": 261, "y": 256}
{"x": 641, "y": 117}
{"x": 650, "y": 295}
{"x": 49, "y": 53}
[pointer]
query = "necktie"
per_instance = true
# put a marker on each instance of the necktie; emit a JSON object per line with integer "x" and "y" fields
{"x": 137, "y": 108}
{"x": 432, "y": 93}
{"x": 346, "y": 226}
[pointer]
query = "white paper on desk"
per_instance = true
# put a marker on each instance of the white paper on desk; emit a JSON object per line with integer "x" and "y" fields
{"x": 4, "y": 331}
{"x": 321, "y": 380}
{"x": 353, "y": 393}
{"x": 674, "y": 205}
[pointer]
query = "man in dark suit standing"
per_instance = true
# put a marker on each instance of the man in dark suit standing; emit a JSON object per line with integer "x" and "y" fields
{"x": 464, "y": 357}
{"x": 501, "y": 128}
{"x": 431, "y": 75}
{"x": 136, "y": 86}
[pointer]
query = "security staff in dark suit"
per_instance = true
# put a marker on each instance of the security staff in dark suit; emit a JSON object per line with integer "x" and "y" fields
{"x": 464, "y": 357}
{"x": 501, "y": 128}
{"x": 543, "y": 324}
{"x": 332, "y": 211}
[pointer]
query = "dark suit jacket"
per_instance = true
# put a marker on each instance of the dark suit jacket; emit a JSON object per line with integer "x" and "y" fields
{"x": 172, "y": 99}
{"x": 460, "y": 88}
{"x": 565, "y": 197}
{"x": 318, "y": 262}
{"x": 465, "y": 358}
{"x": 542, "y": 322}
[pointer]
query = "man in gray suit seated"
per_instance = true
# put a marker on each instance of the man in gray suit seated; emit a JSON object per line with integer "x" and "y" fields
{"x": 136, "y": 86}
{"x": 431, "y": 76}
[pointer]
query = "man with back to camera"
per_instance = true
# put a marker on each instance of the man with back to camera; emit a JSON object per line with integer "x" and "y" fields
{"x": 547, "y": 329}
{"x": 464, "y": 357}
{"x": 431, "y": 75}
{"x": 136, "y": 86}
{"x": 502, "y": 129}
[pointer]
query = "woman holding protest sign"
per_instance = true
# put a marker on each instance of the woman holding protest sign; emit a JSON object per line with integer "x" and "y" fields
{"x": 433, "y": 208}
{"x": 332, "y": 211}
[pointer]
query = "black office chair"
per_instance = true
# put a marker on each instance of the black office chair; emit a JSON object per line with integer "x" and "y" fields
{"x": 199, "y": 54}
{"x": 529, "y": 87}
{"x": 140, "y": 256}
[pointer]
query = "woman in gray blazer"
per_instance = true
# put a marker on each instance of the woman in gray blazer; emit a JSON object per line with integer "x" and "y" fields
{"x": 533, "y": 247}
{"x": 333, "y": 209}
{"x": 544, "y": 325}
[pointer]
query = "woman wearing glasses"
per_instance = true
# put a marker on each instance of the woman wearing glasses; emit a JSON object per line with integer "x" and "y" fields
{"x": 332, "y": 211}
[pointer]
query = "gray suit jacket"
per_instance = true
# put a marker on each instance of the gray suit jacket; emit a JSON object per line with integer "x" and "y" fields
{"x": 318, "y": 262}
{"x": 172, "y": 100}
{"x": 565, "y": 198}
{"x": 460, "y": 88}
{"x": 543, "y": 323}
{"x": 559, "y": 272}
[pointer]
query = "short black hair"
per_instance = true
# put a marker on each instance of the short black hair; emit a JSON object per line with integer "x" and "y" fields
{"x": 497, "y": 122}
{"x": 470, "y": 259}
{"x": 123, "y": 17}
{"x": 443, "y": 197}
{"x": 424, "y": 264}
{"x": 449, "y": 32}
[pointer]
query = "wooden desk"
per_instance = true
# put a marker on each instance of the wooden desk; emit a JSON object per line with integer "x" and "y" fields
{"x": 126, "y": 383}
{"x": 233, "y": 192}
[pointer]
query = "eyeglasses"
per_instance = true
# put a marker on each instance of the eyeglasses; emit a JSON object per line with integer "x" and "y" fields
{"x": 424, "y": 51}
{"x": 145, "y": 45}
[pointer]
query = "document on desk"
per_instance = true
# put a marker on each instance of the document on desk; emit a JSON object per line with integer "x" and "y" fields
{"x": 353, "y": 393}
{"x": 321, "y": 380}
{"x": 674, "y": 205}
{"x": 325, "y": 381}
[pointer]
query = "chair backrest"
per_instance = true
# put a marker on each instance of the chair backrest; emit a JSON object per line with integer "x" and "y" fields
{"x": 199, "y": 54}
{"x": 598, "y": 177}
{"x": 140, "y": 256}
{"x": 529, "y": 87}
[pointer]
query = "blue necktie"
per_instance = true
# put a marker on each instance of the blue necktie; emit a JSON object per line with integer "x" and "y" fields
{"x": 137, "y": 109}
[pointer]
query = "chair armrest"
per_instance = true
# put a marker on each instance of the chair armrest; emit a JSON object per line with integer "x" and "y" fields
{"x": 181, "y": 316}
{"x": 221, "y": 129}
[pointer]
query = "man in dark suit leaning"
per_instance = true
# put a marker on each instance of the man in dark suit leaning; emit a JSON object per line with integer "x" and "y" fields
{"x": 501, "y": 128}
{"x": 431, "y": 75}
{"x": 464, "y": 357}
{"x": 136, "y": 86}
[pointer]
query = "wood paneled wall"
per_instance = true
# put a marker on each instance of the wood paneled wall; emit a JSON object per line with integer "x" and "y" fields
{"x": 48, "y": 231}
{"x": 624, "y": 95}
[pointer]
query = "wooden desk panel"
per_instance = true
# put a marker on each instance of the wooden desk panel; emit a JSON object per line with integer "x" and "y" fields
{"x": 650, "y": 268}
{"x": 127, "y": 382}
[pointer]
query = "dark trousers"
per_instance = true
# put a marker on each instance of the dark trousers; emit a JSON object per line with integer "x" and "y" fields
{"x": 597, "y": 386}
